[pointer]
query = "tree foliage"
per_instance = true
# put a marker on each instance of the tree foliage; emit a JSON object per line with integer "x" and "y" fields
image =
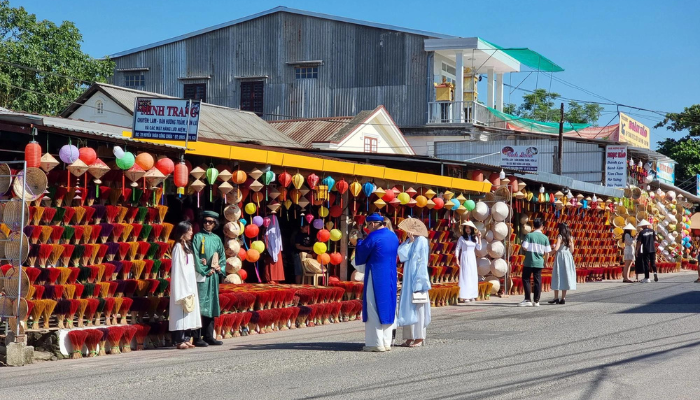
{"x": 686, "y": 152}
{"x": 540, "y": 105}
{"x": 687, "y": 119}
{"x": 42, "y": 67}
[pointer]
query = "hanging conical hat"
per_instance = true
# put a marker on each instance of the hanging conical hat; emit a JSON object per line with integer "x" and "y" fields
{"x": 197, "y": 172}
{"x": 255, "y": 173}
{"x": 134, "y": 173}
{"x": 232, "y": 230}
{"x": 481, "y": 211}
{"x": 232, "y": 213}
{"x": 98, "y": 169}
{"x": 496, "y": 249}
{"x": 225, "y": 175}
{"x": 500, "y": 230}
{"x": 483, "y": 266}
{"x": 500, "y": 211}
{"x": 78, "y": 167}
{"x": 274, "y": 207}
{"x": 629, "y": 227}
{"x": 303, "y": 202}
{"x": 48, "y": 162}
{"x": 499, "y": 267}
{"x": 154, "y": 177}
{"x": 197, "y": 185}
{"x": 233, "y": 265}
{"x": 225, "y": 188}
{"x": 273, "y": 193}
{"x": 414, "y": 226}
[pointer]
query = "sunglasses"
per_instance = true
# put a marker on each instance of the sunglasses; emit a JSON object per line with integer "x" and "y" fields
{"x": 209, "y": 221}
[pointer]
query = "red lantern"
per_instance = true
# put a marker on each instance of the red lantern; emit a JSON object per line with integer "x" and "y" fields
{"x": 251, "y": 231}
{"x": 388, "y": 196}
{"x": 335, "y": 211}
{"x": 495, "y": 179}
{"x": 32, "y": 154}
{"x": 439, "y": 203}
{"x": 242, "y": 274}
{"x": 336, "y": 258}
{"x": 312, "y": 181}
{"x": 165, "y": 166}
{"x": 181, "y": 177}
{"x": 285, "y": 179}
{"x": 323, "y": 235}
{"x": 87, "y": 155}
{"x": 242, "y": 254}
{"x": 341, "y": 186}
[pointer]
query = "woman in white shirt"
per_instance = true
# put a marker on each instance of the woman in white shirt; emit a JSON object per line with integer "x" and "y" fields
{"x": 184, "y": 301}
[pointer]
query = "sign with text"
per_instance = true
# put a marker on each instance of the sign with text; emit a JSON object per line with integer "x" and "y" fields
{"x": 521, "y": 158}
{"x": 166, "y": 119}
{"x": 666, "y": 172}
{"x": 633, "y": 132}
{"x": 616, "y": 166}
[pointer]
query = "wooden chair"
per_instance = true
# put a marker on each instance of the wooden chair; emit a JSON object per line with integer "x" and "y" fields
{"x": 312, "y": 269}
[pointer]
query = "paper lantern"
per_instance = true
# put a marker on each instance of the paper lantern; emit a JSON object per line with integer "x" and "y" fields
{"x": 439, "y": 203}
{"x": 32, "y": 154}
{"x": 145, "y": 161}
{"x": 250, "y": 208}
{"x": 268, "y": 177}
{"x": 336, "y": 235}
{"x": 455, "y": 204}
{"x": 252, "y": 255}
{"x": 285, "y": 179}
{"x": 48, "y": 162}
{"x": 69, "y": 154}
{"x": 258, "y": 220}
{"x": 312, "y": 181}
{"x": 323, "y": 235}
{"x": 239, "y": 177}
{"x": 336, "y": 258}
{"x": 495, "y": 179}
{"x": 342, "y": 186}
{"x": 165, "y": 166}
{"x": 323, "y": 212}
{"x": 309, "y": 218}
{"x": 329, "y": 181}
{"x": 469, "y": 204}
{"x": 251, "y": 231}
{"x": 317, "y": 223}
{"x": 368, "y": 189}
{"x": 87, "y": 155}
{"x": 388, "y": 196}
{"x": 258, "y": 245}
{"x": 244, "y": 275}
{"x": 320, "y": 248}
{"x": 298, "y": 180}
{"x": 212, "y": 173}
{"x": 126, "y": 161}
{"x": 180, "y": 177}
{"x": 355, "y": 188}
{"x": 329, "y": 225}
{"x": 421, "y": 201}
{"x": 335, "y": 211}
{"x": 404, "y": 198}
{"x": 323, "y": 259}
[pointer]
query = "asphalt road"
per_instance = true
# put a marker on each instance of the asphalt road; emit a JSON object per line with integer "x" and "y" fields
{"x": 611, "y": 340}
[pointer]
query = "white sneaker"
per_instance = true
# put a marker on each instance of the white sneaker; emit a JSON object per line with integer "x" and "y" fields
{"x": 525, "y": 303}
{"x": 645, "y": 280}
{"x": 536, "y": 304}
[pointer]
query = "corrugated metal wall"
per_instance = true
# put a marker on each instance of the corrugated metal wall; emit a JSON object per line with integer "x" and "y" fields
{"x": 582, "y": 161}
{"x": 363, "y": 67}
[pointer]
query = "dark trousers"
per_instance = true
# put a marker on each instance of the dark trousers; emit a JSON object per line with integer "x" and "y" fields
{"x": 207, "y": 330}
{"x": 181, "y": 336}
{"x": 537, "y": 274}
{"x": 648, "y": 263}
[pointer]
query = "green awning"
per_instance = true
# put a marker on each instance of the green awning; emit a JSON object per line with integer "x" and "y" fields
{"x": 528, "y": 57}
{"x": 531, "y": 125}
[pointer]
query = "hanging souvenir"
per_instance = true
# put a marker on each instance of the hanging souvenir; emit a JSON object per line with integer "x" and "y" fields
{"x": 255, "y": 173}
{"x": 285, "y": 179}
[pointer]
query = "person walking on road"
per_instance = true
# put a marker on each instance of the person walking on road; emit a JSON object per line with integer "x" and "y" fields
{"x": 646, "y": 248}
{"x": 377, "y": 253}
{"x": 564, "y": 270}
{"x": 536, "y": 246}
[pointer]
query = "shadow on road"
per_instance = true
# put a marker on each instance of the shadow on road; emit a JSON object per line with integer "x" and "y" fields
{"x": 317, "y": 346}
{"x": 688, "y": 302}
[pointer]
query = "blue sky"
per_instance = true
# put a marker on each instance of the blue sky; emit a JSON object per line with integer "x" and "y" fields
{"x": 641, "y": 53}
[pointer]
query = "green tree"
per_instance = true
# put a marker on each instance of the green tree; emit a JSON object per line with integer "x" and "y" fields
{"x": 42, "y": 67}
{"x": 540, "y": 105}
{"x": 686, "y": 152}
{"x": 687, "y": 119}
{"x": 586, "y": 114}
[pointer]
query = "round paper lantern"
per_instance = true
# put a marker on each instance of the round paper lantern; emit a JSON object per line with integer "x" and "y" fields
{"x": 258, "y": 220}
{"x": 252, "y": 231}
{"x": 455, "y": 204}
{"x": 368, "y": 189}
{"x": 404, "y": 198}
{"x": 323, "y": 235}
{"x": 87, "y": 155}
{"x": 323, "y": 212}
{"x": 499, "y": 267}
{"x": 335, "y": 211}
{"x": 389, "y": 196}
{"x": 212, "y": 174}
{"x": 336, "y": 235}
{"x": 242, "y": 254}
{"x": 500, "y": 230}
{"x": 239, "y": 177}
{"x": 145, "y": 161}
{"x": 469, "y": 204}
{"x": 70, "y": 154}
{"x": 342, "y": 186}
{"x": 252, "y": 255}
{"x": 268, "y": 177}
{"x": 500, "y": 211}
{"x": 312, "y": 181}
{"x": 241, "y": 272}
{"x": 250, "y": 208}
{"x": 318, "y": 223}
{"x": 258, "y": 245}
{"x": 285, "y": 179}
{"x": 165, "y": 165}
{"x": 481, "y": 211}
{"x": 267, "y": 221}
{"x": 421, "y": 201}
{"x": 32, "y": 154}
{"x": 323, "y": 259}
{"x": 355, "y": 188}
{"x": 298, "y": 180}
{"x": 483, "y": 266}
{"x": 329, "y": 181}
{"x": 336, "y": 258}
{"x": 320, "y": 248}
{"x": 439, "y": 203}
{"x": 127, "y": 161}
{"x": 496, "y": 249}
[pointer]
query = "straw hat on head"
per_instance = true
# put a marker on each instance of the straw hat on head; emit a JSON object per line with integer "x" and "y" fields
{"x": 643, "y": 223}
{"x": 469, "y": 223}
{"x": 629, "y": 227}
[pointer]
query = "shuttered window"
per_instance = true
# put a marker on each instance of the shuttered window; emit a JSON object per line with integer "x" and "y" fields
{"x": 195, "y": 91}
{"x": 252, "y": 96}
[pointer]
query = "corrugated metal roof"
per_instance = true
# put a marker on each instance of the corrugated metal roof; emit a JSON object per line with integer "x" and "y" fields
{"x": 215, "y": 122}
{"x": 320, "y": 130}
{"x": 276, "y": 10}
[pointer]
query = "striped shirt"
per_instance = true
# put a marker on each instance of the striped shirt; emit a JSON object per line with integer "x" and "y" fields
{"x": 536, "y": 244}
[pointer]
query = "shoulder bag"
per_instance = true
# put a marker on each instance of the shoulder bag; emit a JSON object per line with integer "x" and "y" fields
{"x": 420, "y": 297}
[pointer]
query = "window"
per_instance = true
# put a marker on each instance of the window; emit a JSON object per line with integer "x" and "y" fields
{"x": 252, "y": 96}
{"x": 449, "y": 73}
{"x": 306, "y": 72}
{"x": 195, "y": 91}
{"x": 134, "y": 80}
{"x": 99, "y": 107}
{"x": 370, "y": 145}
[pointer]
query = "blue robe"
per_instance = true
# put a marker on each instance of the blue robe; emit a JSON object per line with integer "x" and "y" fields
{"x": 378, "y": 252}
{"x": 414, "y": 255}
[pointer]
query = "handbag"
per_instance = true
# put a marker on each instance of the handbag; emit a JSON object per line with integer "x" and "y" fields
{"x": 420, "y": 297}
{"x": 188, "y": 303}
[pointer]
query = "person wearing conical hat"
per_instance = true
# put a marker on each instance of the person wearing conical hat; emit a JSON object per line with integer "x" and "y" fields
{"x": 646, "y": 248}
{"x": 465, "y": 255}
{"x": 377, "y": 253}
{"x": 209, "y": 258}
{"x": 628, "y": 255}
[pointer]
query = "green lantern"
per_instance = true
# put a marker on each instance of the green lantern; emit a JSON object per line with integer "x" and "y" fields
{"x": 212, "y": 174}
{"x": 469, "y": 204}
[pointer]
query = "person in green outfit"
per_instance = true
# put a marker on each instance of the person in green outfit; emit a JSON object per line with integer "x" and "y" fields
{"x": 536, "y": 246}
{"x": 209, "y": 256}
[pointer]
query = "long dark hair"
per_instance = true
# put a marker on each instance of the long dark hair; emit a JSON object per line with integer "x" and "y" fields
{"x": 565, "y": 233}
{"x": 180, "y": 230}
{"x": 628, "y": 232}
{"x": 469, "y": 235}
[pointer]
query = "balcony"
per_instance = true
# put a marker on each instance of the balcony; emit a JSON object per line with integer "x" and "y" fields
{"x": 462, "y": 112}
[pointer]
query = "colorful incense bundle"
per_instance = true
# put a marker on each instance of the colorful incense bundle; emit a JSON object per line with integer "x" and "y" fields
{"x": 141, "y": 335}
{"x": 68, "y": 214}
{"x": 129, "y": 333}
{"x": 124, "y": 309}
{"x": 112, "y": 250}
{"x": 128, "y": 228}
{"x": 87, "y": 254}
{"x": 117, "y": 231}
{"x": 113, "y": 285}
{"x": 73, "y": 307}
{"x": 32, "y": 273}
{"x": 294, "y": 317}
{"x": 56, "y": 234}
{"x": 38, "y": 291}
{"x": 133, "y": 250}
{"x": 141, "y": 214}
{"x": 104, "y": 289}
{"x": 163, "y": 286}
{"x": 74, "y": 272}
{"x": 103, "y": 341}
{"x": 165, "y": 266}
{"x": 78, "y": 252}
{"x": 152, "y": 251}
{"x": 108, "y": 273}
{"x": 167, "y": 229}
{"x": 136, "y": 231}
{"x": 122, "y": 214}
{"x": 92, "y": 341}
{"x": 60, "y": 194}
{"x": 163, "y": 249}
{"x": 90, "y": 311}
{"x": 137, "y": 268}
{"x": 46, "y": 232}
{"x": 126, "y": 269}
{"x": 142, "y": 286}
{"x": 146, "y": 232}
{"x": 77, "y": 339}
{"x": 100, "y": 308}
{"x": 108, "y": 309}
{"x": 163, "y": 307}
{"x": 118, "y": 265}
{"x": 37, "y": 215}
{"x": 105, "y": 232}
{"x": 147, "y": 267}
{"x": 61, "y": 309}
{"x": 79, "y": 290}
{"x": 49, "y": 306}
{"x": 111, "y": 213}
{"x": 152, "y": 214}
{"x": 114, "y": 338}
{"x": 34, "y": 233}
{"x": 157, "y": 231}
{"x": 96, "y": 289}
{"x": 156, "y": 268}
{"x": 62, "y": 253}
{"x": 99, "y": 212}
{"x": 124, "y": 248}
{"x": 142, "y": 251}
{"x": 95, "y": 233}
{"x": 131, "y": 215}
{"x": 101, "y": 253}
{"x": 115, "y": 312}
{"x": 89, "y": 213}
{"x": 79, "y": 215}
{"x": 162, "y": 212}
{"x": 87, "y": 234}
{"x": 36, "y": 312}
{"x": 49, "y": 213}
{"x": 58, "y": 217}
{"x": 78, "y": 232}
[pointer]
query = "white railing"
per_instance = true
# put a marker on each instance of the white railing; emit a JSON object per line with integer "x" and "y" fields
{"x": 460, "y": 112}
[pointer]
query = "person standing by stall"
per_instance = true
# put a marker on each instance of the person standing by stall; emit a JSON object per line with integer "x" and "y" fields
{"x": 414, "y": 303}
{"x": 628, "y": 255}
{"x": 466, "y": 261}
{"x": 646, "y": 248}
{"x": 184, "y": 301}
{"x": 564, "y": 270}
{"x": 536, "y": 246}
{"x": 302, "y": 243}
{"x": 377, "y": 252}
{"x": 208, "y": 257}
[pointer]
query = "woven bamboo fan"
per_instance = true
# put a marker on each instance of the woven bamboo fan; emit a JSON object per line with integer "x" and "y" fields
{"x": 5, "y": 178}
{"x": 12, "y": 248}
{"x": 12, "y": 214}
{"x": 6, "y": 307}
{"x": 36, "y": 184}
{"x": 11, "y": 280}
